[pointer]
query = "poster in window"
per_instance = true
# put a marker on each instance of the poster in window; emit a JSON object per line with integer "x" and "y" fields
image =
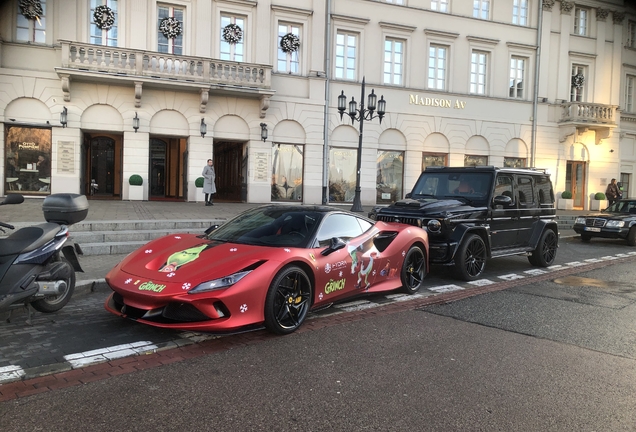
{"x": 28, "y": 160}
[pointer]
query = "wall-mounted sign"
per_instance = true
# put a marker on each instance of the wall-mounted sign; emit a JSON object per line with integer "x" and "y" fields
{"x": 436, "y": 102}
{"x": 66, "y": 157}
{"x": 261, "y": 167}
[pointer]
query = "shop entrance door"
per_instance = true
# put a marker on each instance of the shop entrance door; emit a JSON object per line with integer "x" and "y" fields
{"x": 167, "y": 169}
{"x": 102, "y": 156}
{"x": 230, "y": 167}
{"x": 575, "y": 180}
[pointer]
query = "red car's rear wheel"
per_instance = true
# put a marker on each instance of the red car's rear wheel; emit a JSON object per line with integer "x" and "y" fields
{"x": 288, "y": 300}
{"x": 413, "y": 270}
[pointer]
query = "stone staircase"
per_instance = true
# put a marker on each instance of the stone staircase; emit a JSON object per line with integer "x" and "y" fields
{"x": 565, "y": 221}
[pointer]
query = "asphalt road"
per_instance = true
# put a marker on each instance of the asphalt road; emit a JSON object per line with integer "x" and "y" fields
{"x": 553, "y": 352}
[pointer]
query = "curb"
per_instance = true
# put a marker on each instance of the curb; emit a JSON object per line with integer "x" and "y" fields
{"x": 88, "y": 286}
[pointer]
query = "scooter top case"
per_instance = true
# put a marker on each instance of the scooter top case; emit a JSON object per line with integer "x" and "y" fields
{"x": 65, "y": 208}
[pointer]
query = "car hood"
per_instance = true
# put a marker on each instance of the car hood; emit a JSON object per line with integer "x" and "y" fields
{"x": 429, "y": 207}
{"x": 192, "y": 259}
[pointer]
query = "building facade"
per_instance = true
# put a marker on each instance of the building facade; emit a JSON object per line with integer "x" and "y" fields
{"x": 95, "y": 91}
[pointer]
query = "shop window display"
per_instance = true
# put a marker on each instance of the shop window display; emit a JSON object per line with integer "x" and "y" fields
{"x": 342, "y": 174}
{"x": 28, "y": 160}
{"x": 390, "y": 166}
{"x": 287, "y": 172}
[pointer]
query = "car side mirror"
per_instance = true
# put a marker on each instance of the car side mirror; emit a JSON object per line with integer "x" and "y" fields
{"x": 408, "y": 195}
{"x": 335, "y": 244}
{"x": 212, "y": 228}
{"x": 502, "y": 200}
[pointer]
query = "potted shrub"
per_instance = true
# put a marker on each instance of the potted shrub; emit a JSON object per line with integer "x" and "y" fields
{"x": 135, "y": 188}
{"x": 198, "y": 183}
{"x": 565, "y": 202}
{"x": 599, "y": 202}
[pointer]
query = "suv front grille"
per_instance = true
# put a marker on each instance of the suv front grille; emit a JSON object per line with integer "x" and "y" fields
{"x": 401, "y": 219}
{"x": 595, "y": 222}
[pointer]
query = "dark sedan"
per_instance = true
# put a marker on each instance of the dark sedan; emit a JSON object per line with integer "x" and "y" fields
{"x": 616, "y": 221}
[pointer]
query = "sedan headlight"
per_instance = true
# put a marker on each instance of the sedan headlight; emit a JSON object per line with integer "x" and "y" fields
{"x": 580, "y": 220}
{"x": 615, "y": 224}
{"x": 220, "y": 283}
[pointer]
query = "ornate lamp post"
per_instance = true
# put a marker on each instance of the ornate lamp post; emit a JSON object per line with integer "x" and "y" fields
{"x": 361, "y": 115}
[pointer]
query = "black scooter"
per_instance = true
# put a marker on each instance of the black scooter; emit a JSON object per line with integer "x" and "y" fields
{"x": 37, "y": 265}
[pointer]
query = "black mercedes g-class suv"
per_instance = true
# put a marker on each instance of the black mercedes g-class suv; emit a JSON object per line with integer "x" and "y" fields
{"x": 476, "y": 213}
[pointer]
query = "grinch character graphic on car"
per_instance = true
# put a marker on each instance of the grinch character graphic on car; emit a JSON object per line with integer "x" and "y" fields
{"x": 358, "y": 263}
{"x": 180, "y": 258}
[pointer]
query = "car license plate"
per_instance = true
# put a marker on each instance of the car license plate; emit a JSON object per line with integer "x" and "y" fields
{"x": 593, "y": 229}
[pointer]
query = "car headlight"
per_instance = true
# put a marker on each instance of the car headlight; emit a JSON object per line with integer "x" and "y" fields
{"x": 224, "y": 282}
{"x": 434, "y": 225}
{"x": 615, "y": 224}
{"x": 580, "y": 220}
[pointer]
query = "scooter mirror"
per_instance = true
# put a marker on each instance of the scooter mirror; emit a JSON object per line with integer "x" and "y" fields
{"x": 12, "y": 198}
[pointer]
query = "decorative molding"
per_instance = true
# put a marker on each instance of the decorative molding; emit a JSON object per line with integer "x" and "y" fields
{"x": 205, "y": 94}
{"x": 293, "y": 10}
{"x": 350, "y": 19}
{"x": 548, "y": 4}
{"x": 582, "y": 54}
{"x": 441, "y": 33}
{"x": 521, "y": 46}
{"x": 618, "y": 17}
{"x": 601, "y": 14}
{"x": 602, "y": 134}
{"x": 566, "y": 132}
{"x": 566, "y": 7}
{"x": 398, "y": 27}
{"x": 264, "y": 104}
{"x": 66, "y": 86}
{"x": 138, "y": 88}
{"x": 483, "y": 40}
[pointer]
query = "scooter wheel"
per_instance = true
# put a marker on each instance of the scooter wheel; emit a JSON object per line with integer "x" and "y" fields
{"x": 54, "y": 304}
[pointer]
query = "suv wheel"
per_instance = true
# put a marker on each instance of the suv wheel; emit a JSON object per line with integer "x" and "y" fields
{"x": 545, "y": 252}
{"x": 470, "y": 258}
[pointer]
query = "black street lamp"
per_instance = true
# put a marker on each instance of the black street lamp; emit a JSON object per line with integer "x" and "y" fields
{"x": 361, "y": 115}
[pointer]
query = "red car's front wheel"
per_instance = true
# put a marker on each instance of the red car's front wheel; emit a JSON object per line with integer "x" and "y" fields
{"x": 288, "y": 300}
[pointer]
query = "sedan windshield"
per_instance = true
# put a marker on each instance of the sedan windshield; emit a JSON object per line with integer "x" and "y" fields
{"x": 622, "y": 207}
{"x": 270, "y": 226}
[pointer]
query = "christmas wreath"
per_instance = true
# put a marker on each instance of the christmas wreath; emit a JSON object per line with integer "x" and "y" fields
{"x": 232, "y": 33}
{"x": 31, "y": 9}
{"x": 290, "y": 43}
{"x": 104, "y": 17}
{"x": 578, "y": 80}
{"x": 170, "y": 27}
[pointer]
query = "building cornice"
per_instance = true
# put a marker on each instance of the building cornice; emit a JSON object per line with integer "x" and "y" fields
{"x": 398, "y": 27}
{"x": 520, "y": 45}
{"x": 293, "y": 10}
{"x": 581, "y": 54}
{"x": 354, "y": 20}
{"x": 483, "y": 40}
{"x": 441, "y": 33}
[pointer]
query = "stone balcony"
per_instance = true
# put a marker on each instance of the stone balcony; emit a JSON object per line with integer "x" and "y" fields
{"x": 151, "y": 69}
{"x": 581, "y": 116}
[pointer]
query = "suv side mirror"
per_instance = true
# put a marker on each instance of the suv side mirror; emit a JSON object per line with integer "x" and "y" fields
{"x": 503, "y": 200}
{"x": 408, "y": 195}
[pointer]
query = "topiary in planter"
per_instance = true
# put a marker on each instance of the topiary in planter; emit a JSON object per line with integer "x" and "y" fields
{"x": 199, "y": 182}
{"x": 600, "y": 196}
{"x": 135, "y": 180}
{"x": 566, "y": 195}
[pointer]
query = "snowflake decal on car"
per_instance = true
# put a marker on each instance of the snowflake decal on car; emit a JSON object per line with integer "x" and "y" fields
{"x": 186, "y": 286}
{"x": 177, "y": 237}
{"x": 127, "y": 281}
{"x": 340, "y": 274}
{"x": 171, "y": 274}
{"x": 373, "y": 272}
{"x": 243, "y": 308}
{"x": 403, "y": 253}
{"x": 287, "y": 250}
{"x": 148, "y": 251}
{"x": 320, "y": 296}
{"x": 233, "y": 250}
{"x": 327, "y": 268}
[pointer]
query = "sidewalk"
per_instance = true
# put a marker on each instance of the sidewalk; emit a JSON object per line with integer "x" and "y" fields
{"x": 96, "y": 267}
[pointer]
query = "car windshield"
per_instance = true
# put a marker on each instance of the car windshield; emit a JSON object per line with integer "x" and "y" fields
{"x": 270, "y": 226}
{"x": 470, "y": 187}
{"x": 622, "y": 207}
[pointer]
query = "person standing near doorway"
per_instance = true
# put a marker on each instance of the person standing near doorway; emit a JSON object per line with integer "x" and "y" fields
{"x": 209, "y": 188}
{"x": 612, "y": 193}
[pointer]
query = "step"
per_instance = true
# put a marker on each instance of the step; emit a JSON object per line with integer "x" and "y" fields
{"x": 82, "y": 237}
{"x": 110, "y": 248}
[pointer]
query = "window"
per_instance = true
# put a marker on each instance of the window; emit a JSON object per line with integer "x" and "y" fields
{"x": 520, "y": 12}
{"x": 342, "y": 174}
{"x": 28, "y": 160}
{"x": 166, "y": 44}
{"x": 475, "y": 160}
{"x": 481, "y": 9}
{"x": 103, "y": 36}
{"x": 434, "y": 160}
{"x": 514, "y": 162}
{"x": 287, "y": 172}
{"x": 546, "y": 194}
{"x": 629, "y": 93}
{"x": 517, "y": 71}
{"x": 233, "y": 51}
{"x": 393, "y": 61}
{"x": 631, "y": 34}
{"x": 478, "y": 72}
{"x": 439, "y": 5}
{"x": 346, "y": 46}
{"x": 580, "y": 21}
{"x": 503, "y": 186}
{"x": 577, "y": 83}
{"x": 526, "y": 192}
{"x": 288, "y": 62}
{"x": 32, "y": 30}
{"x": 624, "y": 186}
{"x": 343, "y": 226}
{"x": 437, "y": 56}
{"x": 390, "y": 165}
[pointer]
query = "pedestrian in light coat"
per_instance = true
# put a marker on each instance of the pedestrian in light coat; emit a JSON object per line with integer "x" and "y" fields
{"x": 209, "y": 188}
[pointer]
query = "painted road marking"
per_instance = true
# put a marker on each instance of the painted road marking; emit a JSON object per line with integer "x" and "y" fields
{"x": 535, "y": 272}
{"x": 574, "y": 264}
{"x": 481, "y": 282}
{"x": 445, "y": 288}
{"x": 86, "y": 358}
{"x": 357, "y": 305}
{"x": 10, "y": 373}
{"x": 511, "y": 276}
{"x": 555, "y": 267}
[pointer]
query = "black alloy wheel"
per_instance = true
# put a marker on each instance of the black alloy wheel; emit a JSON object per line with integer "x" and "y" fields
{"x": 413, "y": 270}
{"x": 631, "y": 236}
{"x": 545, "y": 252}
{"x": 288, "y": 300}
{"x": 470, "y": 259}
